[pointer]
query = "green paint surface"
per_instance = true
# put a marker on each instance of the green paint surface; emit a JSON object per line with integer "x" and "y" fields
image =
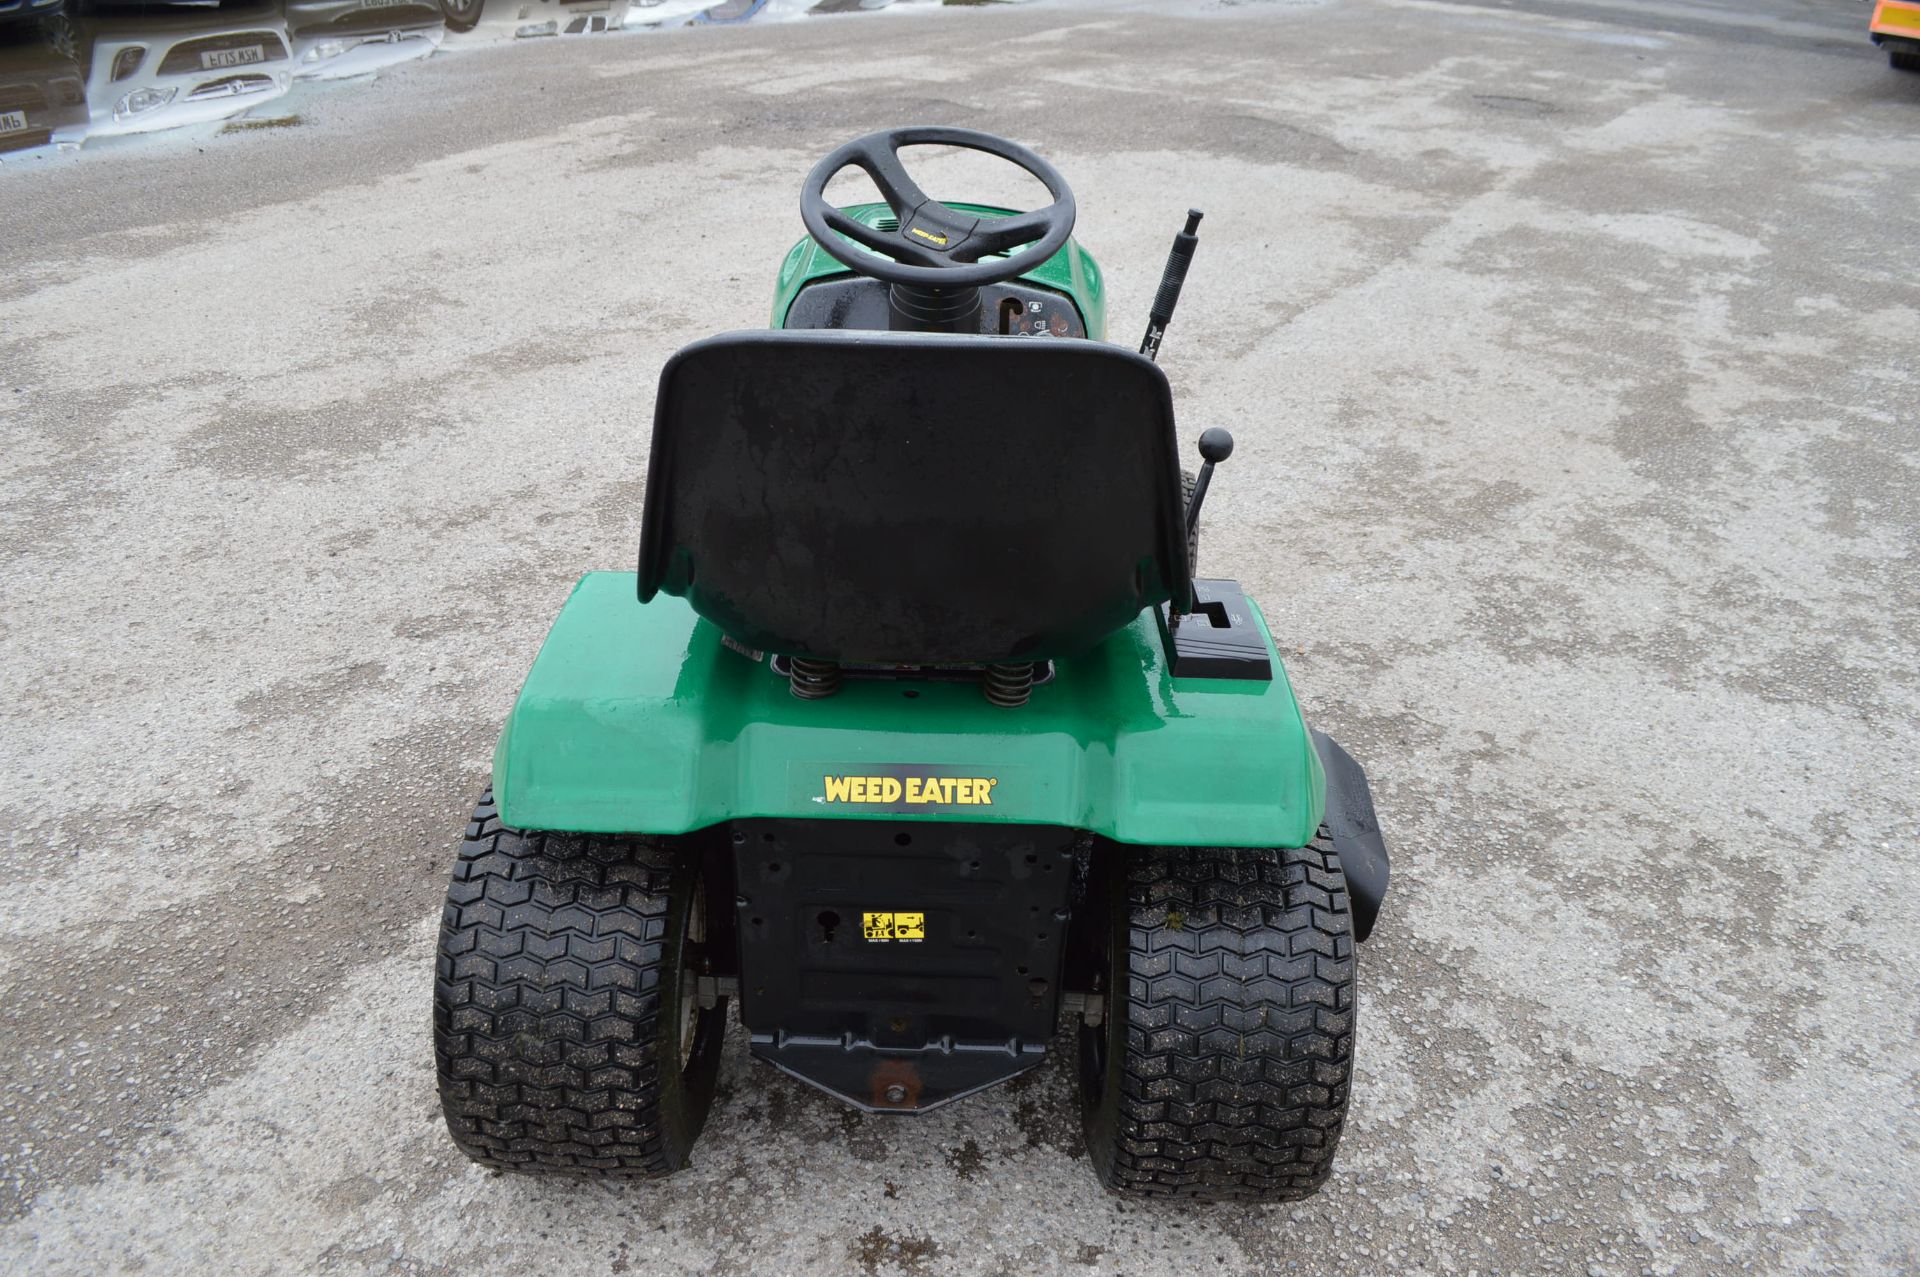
{"x": 636, "y": 718}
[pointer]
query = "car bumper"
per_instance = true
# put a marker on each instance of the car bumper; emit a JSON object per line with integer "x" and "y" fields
{"x": 533, "y": 19}
{"x": 366, "y": 54}
{"x": 186, "y": 110}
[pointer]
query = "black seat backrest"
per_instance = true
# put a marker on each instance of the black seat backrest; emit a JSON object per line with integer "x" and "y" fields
{"x": 913, "y": 498}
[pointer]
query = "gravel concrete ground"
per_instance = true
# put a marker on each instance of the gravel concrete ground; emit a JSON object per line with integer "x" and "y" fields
{"x": 1573, "y": 363}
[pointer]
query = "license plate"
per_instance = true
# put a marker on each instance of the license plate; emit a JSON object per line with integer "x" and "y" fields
{"x": 217, "y": 59}
{"x": 13, "y": 121}
{"x": 383, "y": 4}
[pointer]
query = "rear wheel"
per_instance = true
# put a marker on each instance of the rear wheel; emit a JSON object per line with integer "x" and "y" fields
{"x": 1903, "y": 60}
{"x": 566, "y": 1031}
{"x": 1220, "y": 1071}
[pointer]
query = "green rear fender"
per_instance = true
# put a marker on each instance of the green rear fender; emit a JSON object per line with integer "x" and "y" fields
{"x": 637, "y": 718}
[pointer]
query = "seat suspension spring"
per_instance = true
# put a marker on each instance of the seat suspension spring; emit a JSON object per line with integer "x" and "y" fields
{"x": 812, "y": 680}
{"x": 1009, "y": 685}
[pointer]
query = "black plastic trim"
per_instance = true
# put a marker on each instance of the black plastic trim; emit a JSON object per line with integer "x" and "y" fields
{"x": 1218, "y": 638}
{"x": 1355, "y": 831}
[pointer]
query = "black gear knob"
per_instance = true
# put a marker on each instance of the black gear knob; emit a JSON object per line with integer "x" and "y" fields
{"x": 1216, "y": 445}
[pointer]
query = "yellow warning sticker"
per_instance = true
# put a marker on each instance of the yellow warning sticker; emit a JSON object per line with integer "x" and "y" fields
{"x": 894, "y": 926}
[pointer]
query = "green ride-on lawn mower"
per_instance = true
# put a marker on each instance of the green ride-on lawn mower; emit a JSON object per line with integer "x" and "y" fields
{"x": 913, "y": 732}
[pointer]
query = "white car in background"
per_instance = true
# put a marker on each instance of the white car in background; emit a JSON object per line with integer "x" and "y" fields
{"x": 333, "y": 39}
{"x": 643, "y": 14}
{"x": 477, "y": 21}
{"x": 155, "y": 67}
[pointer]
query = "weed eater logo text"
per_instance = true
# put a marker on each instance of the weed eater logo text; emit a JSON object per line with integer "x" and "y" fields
{"x": 914, "y": 789}
{"x": 980, "y": 790}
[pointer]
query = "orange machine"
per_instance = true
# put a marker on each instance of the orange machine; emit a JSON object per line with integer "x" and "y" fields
{"x": 1896, "y": 26}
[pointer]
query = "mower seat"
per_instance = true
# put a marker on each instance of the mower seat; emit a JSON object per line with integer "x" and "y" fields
{"x": 913, "y": 498}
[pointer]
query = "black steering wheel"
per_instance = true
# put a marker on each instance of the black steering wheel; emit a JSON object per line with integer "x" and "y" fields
{"x": 935, "y": 246}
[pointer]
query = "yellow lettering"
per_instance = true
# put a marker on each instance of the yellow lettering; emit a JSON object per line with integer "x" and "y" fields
{"x": 962, "y": 791}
